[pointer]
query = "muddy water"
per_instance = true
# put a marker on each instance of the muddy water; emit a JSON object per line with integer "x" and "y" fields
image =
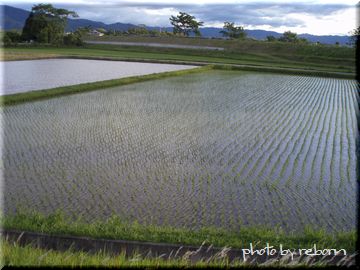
{"x": 23, "y": 76}
{"x": 212, "y": 149}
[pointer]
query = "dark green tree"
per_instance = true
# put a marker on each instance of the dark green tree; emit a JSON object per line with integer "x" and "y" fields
{"x": 232, "y": 31}
{"x": 271, "y": 38}
{"x": 11, "y": 38}
{"x": 46, "y": 24}
{"x": 354, "y": 35}
{"x": 302, "y": 41}
{"x": 75, "y": 38}
{"x": 138, "y": 30}
{"x": 289, "y": 36}
{"x": 184, "y": 24}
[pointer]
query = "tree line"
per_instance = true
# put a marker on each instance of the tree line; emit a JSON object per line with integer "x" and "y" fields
{"x": 46, "y": 24}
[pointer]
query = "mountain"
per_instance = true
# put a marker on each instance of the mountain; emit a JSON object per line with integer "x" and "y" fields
{"x": 343, "y": 40}
{"x": 14, "y": 18}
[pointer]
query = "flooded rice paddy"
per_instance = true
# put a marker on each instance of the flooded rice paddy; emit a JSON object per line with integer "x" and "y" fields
{"x": 219, "y": 148}
{"x": 23, "y": 76}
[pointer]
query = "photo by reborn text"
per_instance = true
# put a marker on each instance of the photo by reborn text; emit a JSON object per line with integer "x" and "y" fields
{"x": 182, "y": 146}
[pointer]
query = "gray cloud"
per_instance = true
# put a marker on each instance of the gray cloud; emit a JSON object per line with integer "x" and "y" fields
{"x": 157, "y": 14}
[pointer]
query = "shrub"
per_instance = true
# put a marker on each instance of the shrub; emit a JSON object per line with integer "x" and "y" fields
{"x": 11, "y": 38}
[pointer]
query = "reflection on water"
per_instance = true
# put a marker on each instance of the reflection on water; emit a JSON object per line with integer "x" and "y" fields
{"x": 23, "y": 76}
{"x": 216, "y": 148}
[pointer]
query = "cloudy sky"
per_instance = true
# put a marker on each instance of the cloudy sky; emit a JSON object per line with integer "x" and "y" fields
{"x": 318, "y": 17}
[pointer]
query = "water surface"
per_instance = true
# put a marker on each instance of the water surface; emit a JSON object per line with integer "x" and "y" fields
{"x": 216, "y": 148}
{"x": 29, "y": 75}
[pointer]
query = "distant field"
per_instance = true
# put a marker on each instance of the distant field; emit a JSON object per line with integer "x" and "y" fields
{"x": 310, "y": 57}
{"x": 219, "y": 148}
{"x": 250, "y": 46}
{"x": 275, "y": 52}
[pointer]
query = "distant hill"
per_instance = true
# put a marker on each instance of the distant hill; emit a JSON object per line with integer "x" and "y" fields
{"x": 14, "y": 18}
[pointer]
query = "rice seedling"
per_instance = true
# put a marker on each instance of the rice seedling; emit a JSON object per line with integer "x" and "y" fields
{"x": 218, "y": 148}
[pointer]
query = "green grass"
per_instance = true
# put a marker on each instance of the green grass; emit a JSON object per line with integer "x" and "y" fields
{"x": 292, "y": 50}
{"x": 116, "y": 228}
{"x": 287, "y": 71}
{"x": 16, "y": 255}
{"x": 86, "y": 87}
{"x": 254, "y": 53}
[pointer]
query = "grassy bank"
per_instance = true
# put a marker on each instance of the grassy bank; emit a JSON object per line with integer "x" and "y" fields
{"x": 86, "y": 87}
{"x": 15, "y": 255}
{"x": 287, "y": 71}
{"x": 242, "y": 53}
{"x": 115, "y": 228}
{"x": 294, "y": 50}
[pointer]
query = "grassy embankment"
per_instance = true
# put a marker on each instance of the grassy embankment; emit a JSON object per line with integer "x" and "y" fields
{"x": 267, "y": 53}
{"x": 115, "y": 228}
{"x": 254, "y": 53}
{"x": 15, "y": 255}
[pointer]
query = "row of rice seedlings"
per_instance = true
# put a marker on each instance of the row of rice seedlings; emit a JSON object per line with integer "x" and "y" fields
{"x": 355, "y": 131}
{"x": 291, "y": 139}
{"x": 265, "y": 117}
{"x": 318, "y": 142}
{"x": 348, "y": 135}
{"x": 343, "y": 138}
{"x": 310, "y": 131}
{"x": 252, "y": 119}
{"x": 335, "y": 164}
{"x": 312, "y": 113}
{"x": 236, "y": 135}
{"x": 285, "y": 133}
{"x": 334, "y": 167}
{"x": 326, "y": 137}
{"x": 254, "y": 148}
{"x": 136, "y": 155}
{"x": 299, "y": 135}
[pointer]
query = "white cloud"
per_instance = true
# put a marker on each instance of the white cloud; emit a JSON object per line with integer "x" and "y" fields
{"x": 332, "y": 17}
{"x": 338, "y": 23}
{"x": 199, "y": 2}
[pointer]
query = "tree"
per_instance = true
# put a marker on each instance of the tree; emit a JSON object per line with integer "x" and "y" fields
{"x": 302, "y": 41}
{"x": 289, "y": 36}
{"x": 138, "y": 30}
{"x": 184, "y": 24}
{"x": 75, "y": 38}
{"x": 355, "y": 35}
{"x": 46, "y": 24}
{"x": 11, "y": 38}
{"x": 271, "y": 38}
{"x": 232, "y": 31}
